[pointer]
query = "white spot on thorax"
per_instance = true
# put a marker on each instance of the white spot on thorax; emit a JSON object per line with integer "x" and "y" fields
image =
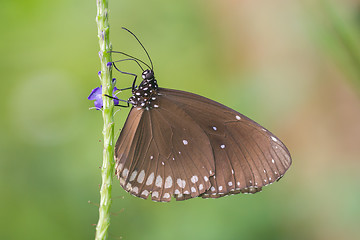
{"x": 185, "y": 142}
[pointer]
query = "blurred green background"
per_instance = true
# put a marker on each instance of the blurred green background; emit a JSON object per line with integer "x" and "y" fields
{"x": 292, "y": 66}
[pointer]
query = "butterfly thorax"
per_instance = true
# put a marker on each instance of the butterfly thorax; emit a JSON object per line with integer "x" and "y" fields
{"x": 145, "y": 95}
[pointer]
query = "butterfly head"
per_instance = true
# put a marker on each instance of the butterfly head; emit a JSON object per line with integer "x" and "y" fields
{"x": 148, "y": 74}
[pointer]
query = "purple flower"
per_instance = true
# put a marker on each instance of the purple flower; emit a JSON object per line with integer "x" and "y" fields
{"x": 96, "y": 94}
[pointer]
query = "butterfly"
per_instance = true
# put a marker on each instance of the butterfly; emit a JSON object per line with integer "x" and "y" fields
{"x": 176, "y": 144}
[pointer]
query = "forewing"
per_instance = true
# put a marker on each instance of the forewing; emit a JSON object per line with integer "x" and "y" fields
{"x": 247, "y": 156}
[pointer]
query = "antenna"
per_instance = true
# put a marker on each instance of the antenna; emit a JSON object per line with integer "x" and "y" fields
{"x": 152, "y": 67}
{"x": 133, "y": 58}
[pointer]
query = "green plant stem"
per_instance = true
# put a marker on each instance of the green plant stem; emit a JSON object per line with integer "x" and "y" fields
{"x": 107, "y": 169}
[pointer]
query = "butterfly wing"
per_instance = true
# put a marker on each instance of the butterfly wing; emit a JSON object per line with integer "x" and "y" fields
{"x": 247, "y": 156}
{"x": 163, "y": 152}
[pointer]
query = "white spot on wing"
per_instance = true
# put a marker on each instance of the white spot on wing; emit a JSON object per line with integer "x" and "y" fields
{"x": 155, "y": 194}
{"x": 120, "y": 166}
{"x": 181, "y": 183}
{"x": 220, "y": 188}
{"x": 168, "y": 182}
{"x": 185, "y": 142}
{"x": 194, "y": 179}
{"x": 230, "y": 184}
{"x": 125, "y": 173}
{"x": 201, "y": 187}
{"x": 177, "y": 191}
{"x": 145, "y": 193}
{"x": 222, "y": 146}
{"x": 274, "y": 139}
{"x": 206, "y": 178}
{"x": 141, "y": 176}
{"x": 150, "y": 179}
{"x": 215, "y": 128}
{"x": 122, "y": 181}
{"x": 133, "y": 175}
{"x": 151, "y": 157}
{"x": 166, "y": 195}
{"x": 158, "y": 181}
{"x": 135, "y": 190}
{"x": 238, "y": 117}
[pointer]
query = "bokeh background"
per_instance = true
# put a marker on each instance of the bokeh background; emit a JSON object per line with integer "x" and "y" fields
{"x": 293, "y": 66}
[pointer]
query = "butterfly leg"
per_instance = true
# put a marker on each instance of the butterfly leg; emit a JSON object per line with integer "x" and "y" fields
{"x": 118, "y": 105}
{"x": 132, "y": 74}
